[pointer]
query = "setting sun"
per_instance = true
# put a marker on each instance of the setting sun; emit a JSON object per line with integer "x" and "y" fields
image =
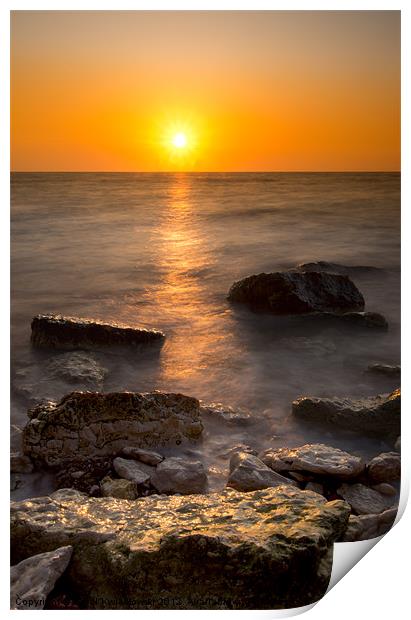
{"x": 180, "y": 140}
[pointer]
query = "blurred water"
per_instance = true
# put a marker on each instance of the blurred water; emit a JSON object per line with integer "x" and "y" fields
{"x": 161, "y": 250}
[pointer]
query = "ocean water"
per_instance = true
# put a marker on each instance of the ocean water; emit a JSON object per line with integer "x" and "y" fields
{"x": 161, "y": 250}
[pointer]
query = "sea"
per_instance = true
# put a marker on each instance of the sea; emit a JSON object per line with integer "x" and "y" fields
{"x": 162, "y": 250}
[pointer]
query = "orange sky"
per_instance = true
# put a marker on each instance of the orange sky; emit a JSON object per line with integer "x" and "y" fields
{"x": 250, "y": 90}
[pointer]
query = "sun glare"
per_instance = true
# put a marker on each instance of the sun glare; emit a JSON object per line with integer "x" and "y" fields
{"x": 179, "y": 140}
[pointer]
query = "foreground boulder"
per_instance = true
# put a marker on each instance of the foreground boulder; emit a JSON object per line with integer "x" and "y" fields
{"x": 249, "y": 473}
{"x": 267, "y": 549}
{"x": 179, "y": 475}
{"x": 66, "y": 332}
{"x": 384, "y": 467}
{"x": 32, "y": 580}
{"x": 294, "y": 292}
{"x": 316, "y": 458}
{"x": 90, "y": 424}
{"x": 379, "y": 415}
{"x": 365, "y": 527}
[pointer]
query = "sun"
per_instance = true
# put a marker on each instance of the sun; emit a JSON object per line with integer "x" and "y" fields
{"x": 179, "y": 140}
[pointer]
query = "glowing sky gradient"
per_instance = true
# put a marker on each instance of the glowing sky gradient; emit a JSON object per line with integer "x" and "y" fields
{"x": 249, "y": 90}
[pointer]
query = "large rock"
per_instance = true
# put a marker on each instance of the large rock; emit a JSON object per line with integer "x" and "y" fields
{"x": 226, "y": 414}
{"x": 364, "y": 500}
{"x": 33, "y": 579}
{"x": 384, "y": 467}
{"x": 131, "y": 470}
{"x": 145, "y": 456}
{"x": 345, "y": 270}
{"x": 294, "y": 292}
{"x": 263, "y": 550}
{"x": 365, "y": 527}
{"x": 91, "y": 424}
{"x": 249, "y": 473}
{"x": 379, "y": 415}
{"x": 118, "y": 488}
{"x": 179, "y": 475}
{"x": 362, "y": 320}
{"x": 316, "y": 458}
{"x": 66, "y": 332}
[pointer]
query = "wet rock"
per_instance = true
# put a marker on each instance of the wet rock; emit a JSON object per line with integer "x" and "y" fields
{"x": 131, "y": 470}
{"x": 145, "y": 456}
{"x": 364, "y": 500}
{"x": 316, "y": 458}
{"x": 226, "y": 414}
{"x": 200, "y": 551}
{"x": 241, "y": 447}
{"x": 83, "y": 474}
{"x": 20, "y": 463}
{"x": 362, "y": 320}
{"x": 379, "y": 415}
{"x": 317, "y": 487}
{"x": 294, "y": 292}
{"x": 34, "y": 577}
{"x": 345, "y": 270}
{"x": 77, "y": 367}
{"x": 118, "y": 488}
{"x": 365, "y": 527}
{"x": 63, "y": 332}
{"x": 397, "y": 444}
{"x": 179, "y": 475}
{"x": 384, "y": 467}
{"x": 385, "y": 369}
{"x": 385, "y": 488}
{"x": 91, "y": 424}
{"x": 249, "y": 473}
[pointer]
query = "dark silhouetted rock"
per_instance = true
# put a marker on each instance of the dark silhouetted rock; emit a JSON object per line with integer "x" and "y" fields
{"x": 263, "y": 550}
{"x": 360, "y": 320}
{"x": 249, "y": 473}
{"x": 91, "y": 424}
{"x": 385, "y": 369}
{"x": 384, "y": 467}
{"x": 294, "y": 292}
{"x": 379, "y": 415}
{"x": 345, "y": 270}
{"x": 365, "y": 527}
{"x": 63, "y": 332}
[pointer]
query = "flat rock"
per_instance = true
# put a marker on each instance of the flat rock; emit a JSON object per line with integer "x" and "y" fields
{"x": 118, "y": 488}
{"x": 345, "y": 270}
{"x": 249, "y": 473}
{"x": 365, "y": 527}
{"x": 20, "y": 463}
{"x": 263, "y": 550}
{"x": 295, "y": 292}
{"x": 144, "y": 456}
{"x": 34, "y": 577}
{"x": 179, "y": 475}
{"x": 364, "y": 500}
{"x": 91, "y": 424}
{"x": 384, "y": 467}
{"x": 66, "y": 332}
{"x": 226, "y": 414}
{"x": 385, "y": 369}
{"x": 131, "y": 470}
{"x": 379, "y": 415}
{"x": 316, "y": 458}
{"x": 385, "y": 488}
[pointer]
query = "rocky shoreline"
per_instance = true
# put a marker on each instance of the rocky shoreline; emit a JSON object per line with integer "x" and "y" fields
{"x": 134, "y": 527}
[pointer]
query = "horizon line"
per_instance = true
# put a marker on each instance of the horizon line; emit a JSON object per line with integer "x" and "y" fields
{"x": 205, "y": 171}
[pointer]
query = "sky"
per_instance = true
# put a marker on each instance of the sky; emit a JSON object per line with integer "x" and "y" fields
{"x": 205, "y": 91}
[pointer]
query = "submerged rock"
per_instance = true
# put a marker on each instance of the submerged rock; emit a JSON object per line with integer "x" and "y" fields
{"x": 267, "y": 549}
{"x": 294, "y": 292}
{"x": 384, "y": 467}
{"x": 364, "y": 500}
{"x": 33, "y": 579}
{"x": 64, "y": 332}
{"x": 363, "y": 320}
{"x": 365, "y": 527}
{"x": 118, "y": 488}
{"x": 379, "y": 415}
{"x": 249, "y": 473}
{"x": 144, "y": 456}
{"x": 179, "y": 475}
{"x": 316, "y": 458}
{"x": 345, "y": 270}
{"x": 77, "y": 367}
{"x": 385, "y": 369}
{"x": 20, "y": 463}
{"x": 91, "y": 424}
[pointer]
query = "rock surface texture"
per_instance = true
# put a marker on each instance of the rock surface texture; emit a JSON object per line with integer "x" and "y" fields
{"x": 249, "y": 473}
{"x": 91, "y": 424}
{"x": 179, "y": 475}
{"x": 266, "y": 549}
{"x": 365, "y": 527}
{"x": 385, "y": 369}
{"x": 384, "y": 467}
{"x": 34, "y": 578}
{"x": 364, "y": 500}
{"x": 294, "y": 292}
{"x": 118, "y": 488}
{"x": 64, "y": 332}
{"x": 379, "y": 415}
{"x": 316, "y": 458}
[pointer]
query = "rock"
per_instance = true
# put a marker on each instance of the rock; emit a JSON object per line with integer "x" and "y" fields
{"x": 345, "y": 270}
{"x": 145, "y": 456}
{"x": 118, "y": 488}
{"x": 77, "y": 367}
{"x": 267, "y": 549}
{"x": 91, "y": 424}
{"x": 226, "y": 414}
{"x": 397, "y": 444}
{"x": 367, "y": 320}
{"x": 385, "y": 369}
{"x": 248, "y": 473}
{"x": 365, "y": 527}
{"x": 83, "y": 474}
{"x": 294, "y": 292}
{"x": 179, "y": 475}
{"x": 379, "y": 415}
{"x": 385, "y": 488}
{"x": 20, "y": 463}
{"x": 317, "y": 487}
{"x": 34, "y": 577}
{"x": 65, "y": 332}
{"x": 384, "y": 467}
{"x": 241, "y": 447}
{"x": 364, "y": 500}
{"x": 316, "y": 458}
{"x": 130, "y": 470}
